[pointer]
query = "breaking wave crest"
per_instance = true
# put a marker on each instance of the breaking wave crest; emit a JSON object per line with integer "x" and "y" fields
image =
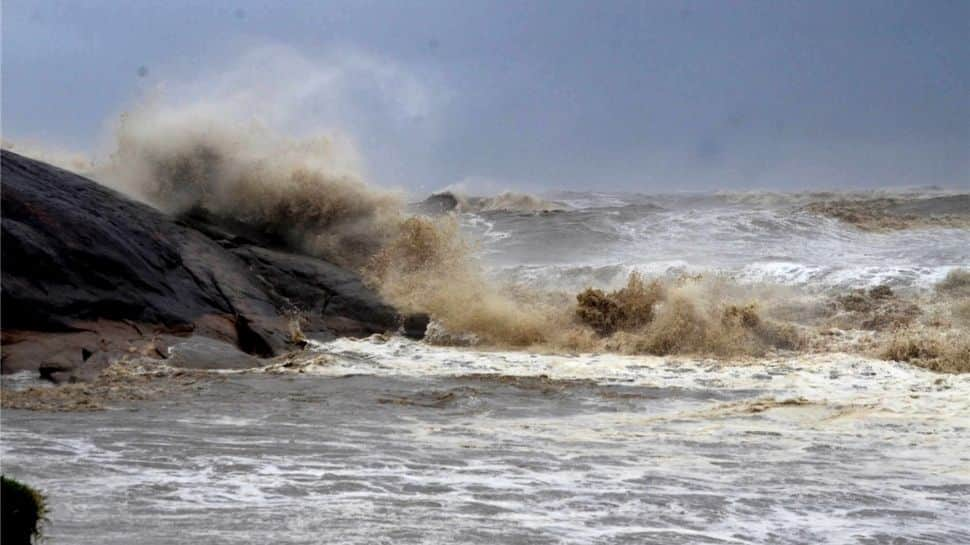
{"x": 307, "y": 190}
{"x": 428, "y": 267}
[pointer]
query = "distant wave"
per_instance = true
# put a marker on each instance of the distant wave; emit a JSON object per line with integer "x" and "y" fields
{"x": 751, "y": 199}
{"x": 895, "y": 213}
{"x": 810, "y": 278}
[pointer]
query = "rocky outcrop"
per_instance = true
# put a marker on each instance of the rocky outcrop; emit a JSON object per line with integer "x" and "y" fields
{"x": 327, "y": 299}
{"x": 87, "y": 270}
{"x": 447, "y": 202}
{"x": 438, "y": 203}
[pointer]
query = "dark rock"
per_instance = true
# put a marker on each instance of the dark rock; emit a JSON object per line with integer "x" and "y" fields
{"x": 416, "y": 325}
{"x": 229, "y": 232}
{"x": 76, "y": 251}
{"x": 203, "y": 353}
{"x": 437, "y": 203}
{"x": 75, "y": 356}
{"x": 23, "y": 512}
{"x": 32, "y": 350}
{"x": 326, "y": 297}
{"x": 103, "y": 272}
{"x": 95, "y": 364}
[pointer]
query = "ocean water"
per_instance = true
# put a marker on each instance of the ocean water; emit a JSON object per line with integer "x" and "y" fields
{"x": 398, "y": 442}
{"x": 754, "y": 237}
{"x": 387, "y": 440}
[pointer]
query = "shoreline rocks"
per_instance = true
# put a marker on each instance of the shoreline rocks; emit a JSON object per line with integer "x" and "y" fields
{"x": 88, "y": 274}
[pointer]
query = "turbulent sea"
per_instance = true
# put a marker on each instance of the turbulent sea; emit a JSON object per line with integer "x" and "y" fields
{"x": 753, "y": 237}
{"x": 388, "y": 440}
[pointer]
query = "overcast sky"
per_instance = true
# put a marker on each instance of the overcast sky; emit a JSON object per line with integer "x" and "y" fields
{"x": 635, "y": 96}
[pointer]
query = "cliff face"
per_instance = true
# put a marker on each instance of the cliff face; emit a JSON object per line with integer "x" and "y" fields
{"x": 87, "y": 270}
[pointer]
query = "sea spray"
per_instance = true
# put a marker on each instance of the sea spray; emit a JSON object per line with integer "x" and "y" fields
{"x": 307, "y": 191}
{"x": 429, "y": 267}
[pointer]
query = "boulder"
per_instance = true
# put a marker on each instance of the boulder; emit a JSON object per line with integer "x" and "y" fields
{"x": 437, "y": 204}
{"x": 203, "y": 353}
{"x": 416, "y": 325}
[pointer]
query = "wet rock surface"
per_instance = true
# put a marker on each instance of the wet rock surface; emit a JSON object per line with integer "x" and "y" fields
{"x": 87, "y": 270}
{"x": 327, "y": 297}
{"x": 203, "y": 353}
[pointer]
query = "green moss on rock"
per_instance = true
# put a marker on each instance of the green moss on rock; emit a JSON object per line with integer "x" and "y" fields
{"x": 23, "y": 511}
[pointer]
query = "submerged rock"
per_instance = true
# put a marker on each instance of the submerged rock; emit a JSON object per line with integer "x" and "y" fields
{"x": 87, "y": 270}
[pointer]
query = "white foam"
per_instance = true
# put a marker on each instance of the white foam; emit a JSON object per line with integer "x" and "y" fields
{"x": 773, "y": 244}
{"x": 864, "y": 451}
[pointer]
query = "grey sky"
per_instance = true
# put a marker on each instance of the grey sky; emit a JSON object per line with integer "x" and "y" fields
{"x": 639, "y": 96}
